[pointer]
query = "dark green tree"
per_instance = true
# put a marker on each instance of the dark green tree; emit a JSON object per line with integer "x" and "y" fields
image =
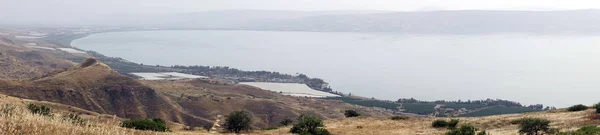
{"x": 578, "y": 107}
{"x": 465, "y": 129}
{"x": 351, "y": 113}
{"x": 439, "y": 124}
{"x": 156, "y": 124}
{"x": 534, "y": 126}
{"x": 452, "y": 124}
{"x": 237, "y": 121}
{"x": 309, "y": 125}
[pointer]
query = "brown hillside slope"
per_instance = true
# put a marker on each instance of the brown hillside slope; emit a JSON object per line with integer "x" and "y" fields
{"x": 16, "y": 119}
{"x": 94, "y": 86}
{"x": 208, "y": 100}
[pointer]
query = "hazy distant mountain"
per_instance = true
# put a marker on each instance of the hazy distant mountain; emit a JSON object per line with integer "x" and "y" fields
{"x": 471, "y": 21}
{"x": 223, "y": 19}
{"x": 437, "y": 22}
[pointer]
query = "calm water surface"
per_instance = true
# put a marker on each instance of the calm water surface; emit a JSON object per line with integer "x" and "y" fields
{"x": 557, "y": 70}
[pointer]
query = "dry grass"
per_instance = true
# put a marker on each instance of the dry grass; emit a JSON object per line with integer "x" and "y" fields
{"x": 16, "y": 119}
{"x": 496, "y": 125}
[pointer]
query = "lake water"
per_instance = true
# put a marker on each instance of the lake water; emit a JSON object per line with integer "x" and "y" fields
{"x": 558, "y": 70}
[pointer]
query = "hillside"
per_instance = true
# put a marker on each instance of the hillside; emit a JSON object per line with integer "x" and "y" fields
{"x": 21, "y": 63}
{"x": 208, "y": 99}
{"x": 495, "y": 125}
{"x": 94, "y": 86}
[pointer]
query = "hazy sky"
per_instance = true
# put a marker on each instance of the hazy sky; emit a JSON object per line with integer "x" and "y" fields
{"x": 48, "y": 10}
{"x": 79, "y": 7}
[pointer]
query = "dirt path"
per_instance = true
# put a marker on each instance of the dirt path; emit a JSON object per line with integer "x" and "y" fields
{"x": 216, "y": 126}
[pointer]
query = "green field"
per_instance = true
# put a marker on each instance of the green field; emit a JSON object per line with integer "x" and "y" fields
{"x": 368, "y": 103}
{"x": 499, "y": 110}
{"x": 419, "y": 108}
{"x": 466, "y": 106}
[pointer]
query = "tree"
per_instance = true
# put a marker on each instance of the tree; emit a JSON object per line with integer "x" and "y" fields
{"x": 465, "y": 129}
{"x": 439, "y": 124}
{"x": 156, "y": 124}
{"x": 578, "y": 107}
{"x": 309, "y": 125}
{"x": 351, "y": 113}
{"x": 534, "y": 126}
{"x": 237, "y": 121}
{"x": 452, "y": 124}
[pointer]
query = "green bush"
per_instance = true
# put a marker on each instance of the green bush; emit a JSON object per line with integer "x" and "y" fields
{"x": 463, "y": 130}
{"x": 237, "y": 121}
{"x": 351, "y": 113}
{"x": 309, "y": 125}
{"x": 41, "y": 109}
{"x": 399, "y": 117}
{"x": 452, "y": 124}
{"x": 578, "y": 107}
{"x": 534, "y": 126}
{"x": 586, "y": 130}
{"x": 74, "y": 118}
{"x": 270, "y": 128}
{"x": 156, "y": 124}
{"x": 597, "y": 106}
{"x": 439, "y": 124}
{"x": 286, "y": 122}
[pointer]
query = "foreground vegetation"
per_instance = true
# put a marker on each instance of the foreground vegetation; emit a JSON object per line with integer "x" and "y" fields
{"x": 20, "y": 120}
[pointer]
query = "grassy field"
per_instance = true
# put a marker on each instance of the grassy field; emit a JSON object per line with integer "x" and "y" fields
{"x": 499, "y": 110}
{"x": 466, "y": 106}
{"x": 368, "y": 103}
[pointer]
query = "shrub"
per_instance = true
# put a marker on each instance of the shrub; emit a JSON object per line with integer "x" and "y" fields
{"x": 270, "y": 128}
{"x": 41, "y": 110}
{"x": 452, "y": 124}
{"x": 286, "y": 122}
{"x": 439, "y": 124}
{"x": 463, "y": 130}
{"x": 309, "y": 125}
{"x": 237, "y": 121}
{"x": 351, "y": 113}
{"x": 399, "y": 117}
{"x": 74, "y": 118}
{"x": 533, "y": 126}
{"x": 578, "y": 107}
{"x": 146, "y": 124}
{"x": 597, "y": 106}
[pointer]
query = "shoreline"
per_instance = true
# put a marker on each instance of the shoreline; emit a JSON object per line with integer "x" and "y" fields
{"x": 67, "y": 41}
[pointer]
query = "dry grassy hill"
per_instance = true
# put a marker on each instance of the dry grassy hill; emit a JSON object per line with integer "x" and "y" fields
{"x": 204, "y": 98}
{"x": 94, "y": 86}
{"x": 495, "y": 125}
